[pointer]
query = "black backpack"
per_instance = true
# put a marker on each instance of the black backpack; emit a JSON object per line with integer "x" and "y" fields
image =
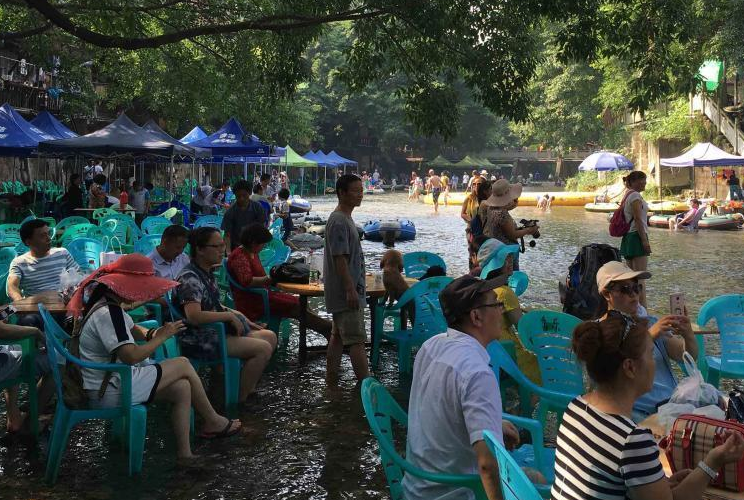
{"x": 579, "y": 294}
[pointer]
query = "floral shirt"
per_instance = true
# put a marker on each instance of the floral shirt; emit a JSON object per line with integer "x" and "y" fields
{"x": 96, "y": 196}
{"x": 496, "y": 220}
{"x": 197, "y": 285}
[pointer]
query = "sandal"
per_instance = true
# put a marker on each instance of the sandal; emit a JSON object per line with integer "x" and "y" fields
{"x": 228, "y": 431}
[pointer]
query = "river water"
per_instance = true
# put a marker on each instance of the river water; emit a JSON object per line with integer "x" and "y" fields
{"x": 304, "y": 442}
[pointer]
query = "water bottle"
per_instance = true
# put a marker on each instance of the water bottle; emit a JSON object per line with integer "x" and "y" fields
{"x": 314, "y": 271}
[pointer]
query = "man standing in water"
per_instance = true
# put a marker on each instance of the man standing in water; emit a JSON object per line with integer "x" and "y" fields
{"x": 345, "y": 286}
{"x": 434, "y": 186}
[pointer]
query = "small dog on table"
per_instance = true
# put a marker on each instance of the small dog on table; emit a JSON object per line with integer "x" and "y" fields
{"x": 392, "y": 276}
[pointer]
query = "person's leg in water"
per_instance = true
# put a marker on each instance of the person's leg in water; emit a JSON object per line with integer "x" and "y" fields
{"x": 181, "y": 386}
{"x": 256, "y": 354}
{"x": 639, "y": 264}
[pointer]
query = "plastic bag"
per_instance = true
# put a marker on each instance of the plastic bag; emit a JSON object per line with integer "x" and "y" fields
{"x": 69, "y": 279}
{"x": 693, "y": 389}
{"x": 669, "y": 412}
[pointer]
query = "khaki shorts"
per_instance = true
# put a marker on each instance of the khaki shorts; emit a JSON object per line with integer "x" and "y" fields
{"x": 349, "y": 326}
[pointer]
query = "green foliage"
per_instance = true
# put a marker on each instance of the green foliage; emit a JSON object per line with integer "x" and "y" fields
{"x": 592, "y": 181}
{"x": 676, "y": 123}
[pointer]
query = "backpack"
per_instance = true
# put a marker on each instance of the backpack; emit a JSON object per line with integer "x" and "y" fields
{"x": 291, "y": 273}
{"x": 72, "y": 377}
{"x": 618, "y": 225}
{"x": 579, "y": 294}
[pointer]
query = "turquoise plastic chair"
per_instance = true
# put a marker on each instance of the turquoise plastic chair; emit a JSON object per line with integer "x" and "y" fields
{"x": 428, "y": 321}
{"x": 548, "y": 335}
{"x": 502, "y": 361}
{"x": 231, "y": 366}
{"x": 514, "y": 482}
{"x": 155, "y": 225}
{"x": 133, "y": 233}
{"x": 102, "y": 213}
{"x": 274, "y": 253}
{"x": 214, "y": 221}
{"x": 62, "y": 225}
{"x": 27, "y": 375}
{"x": 86, "y": 252}
{"x": 728, "y": 312}
{"x": 277, "y": 228}
{"x": 147, "y": 243}
{"x": 12, "y": 233}
{"x": 415, "y": 264}
{"x": 272, "y": 322}
{"x": 381, "y": 411}
{"x": 74, "y": 232}
{"x": 6, "y": 257}
{"x": 130, "y": 421}
{"x": 518, "y": 281}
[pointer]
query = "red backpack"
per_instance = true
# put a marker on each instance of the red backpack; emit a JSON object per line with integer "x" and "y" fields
{"x": 618, "y": 225}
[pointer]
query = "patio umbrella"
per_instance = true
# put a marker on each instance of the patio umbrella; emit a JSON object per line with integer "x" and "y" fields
{"x": 605, "y": 161}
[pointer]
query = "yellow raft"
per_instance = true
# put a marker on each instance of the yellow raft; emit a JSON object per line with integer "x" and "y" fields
{"x": 562, "y": 199}
{"x": 667, "y": 207}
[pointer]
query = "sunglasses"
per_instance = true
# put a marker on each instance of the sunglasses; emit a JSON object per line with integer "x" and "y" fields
{"x": 628, "y": 320}
{"x": 635, "y": 288}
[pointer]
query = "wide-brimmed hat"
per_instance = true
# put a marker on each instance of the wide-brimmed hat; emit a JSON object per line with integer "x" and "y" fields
{"x": 617, "y": 271}
{"x": 496, "y": 251}
{"x": 503, "y": 193}
{"x": 132, "y": 277}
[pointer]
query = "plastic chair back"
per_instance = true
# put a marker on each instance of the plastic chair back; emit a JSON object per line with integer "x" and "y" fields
{"x": 170, "y": 213}
{"x": 519, "y": 281}
{"x": 214, "y": 221}
{"x": 7, "y": 255}
{"x": 429, "y": 319}
{"x": 102, "y": 213}
{"x": 126, "y": 221}
{"x": 74, "y": 232}
{"x": 62, "y": 225}
{"x": 548, "y": 335}
{"x": 382, "y": 411}
{"x": 86, "y": 252}
{"x": 147, "y": 244}
{"x": 12, "y": 233}
{"x": 515, "y": 485}
{"x": 155, "y": 225}
{"x": 728, "y": 311}
{"x": 415, "y": 264}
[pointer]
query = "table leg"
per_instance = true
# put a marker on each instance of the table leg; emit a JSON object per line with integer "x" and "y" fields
{"x": 373, "y": 303}
{"x": 303, "y": 328}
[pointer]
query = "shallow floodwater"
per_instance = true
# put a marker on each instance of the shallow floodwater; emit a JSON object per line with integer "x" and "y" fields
{"x": 304, "y": 442}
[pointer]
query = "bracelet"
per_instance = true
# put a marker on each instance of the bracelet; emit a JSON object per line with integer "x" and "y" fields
{"x": 149, "y": 334}
{"x": 710, "y": 472}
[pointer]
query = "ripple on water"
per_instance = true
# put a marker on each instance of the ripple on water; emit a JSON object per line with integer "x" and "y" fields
{"x": 306, "y": 443}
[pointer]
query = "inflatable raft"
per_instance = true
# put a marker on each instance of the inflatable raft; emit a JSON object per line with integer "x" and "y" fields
{"x": 716, "y": 222}
{"x": 667, "y": 207}
{"x": 374, "y": 190}
{"x": 317, "y": 226}
{"x": 403, "y": 229}
{"x": 298, "y": 204}
{"x": 307, "y": 241}
{"x": 562, "y": 199}
{"x": 605, "y": 208}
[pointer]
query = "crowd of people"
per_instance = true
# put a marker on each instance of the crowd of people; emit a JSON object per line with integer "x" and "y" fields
{"x": 602, "y": 451}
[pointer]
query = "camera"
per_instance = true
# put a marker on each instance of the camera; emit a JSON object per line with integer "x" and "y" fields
{"x": 530, "y": 223}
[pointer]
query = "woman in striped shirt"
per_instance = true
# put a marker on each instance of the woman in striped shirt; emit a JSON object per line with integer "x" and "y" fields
{"x": 602, "y": 454}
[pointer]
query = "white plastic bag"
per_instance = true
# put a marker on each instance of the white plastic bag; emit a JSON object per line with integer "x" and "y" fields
{"x": 109, "y": 257}
{"x": 69, "y": 279}
{"x": 693, "y": 389}
{"x": 669, "y": 412}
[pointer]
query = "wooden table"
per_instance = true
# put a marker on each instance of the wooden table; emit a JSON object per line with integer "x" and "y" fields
{"x": 51, "y": 300}
{"x": 710, "y": 493}
{"x": 374, "y": 293}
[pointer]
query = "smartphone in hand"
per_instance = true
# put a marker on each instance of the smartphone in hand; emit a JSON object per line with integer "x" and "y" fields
{"x": 677, "y": 304}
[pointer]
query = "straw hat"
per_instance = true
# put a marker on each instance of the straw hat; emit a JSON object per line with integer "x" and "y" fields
{"x": 503, "y": 193}
{"x": 132, "y": 277}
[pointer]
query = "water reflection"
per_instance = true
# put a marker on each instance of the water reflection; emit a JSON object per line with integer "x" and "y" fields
{"x": 305, "y": 443}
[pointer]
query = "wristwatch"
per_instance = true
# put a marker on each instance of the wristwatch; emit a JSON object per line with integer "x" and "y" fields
{"x": 710, "y": 472}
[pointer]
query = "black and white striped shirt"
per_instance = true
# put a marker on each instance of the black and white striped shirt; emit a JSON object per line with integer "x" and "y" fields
{"x": 601, "y": 456}
{"x": 42, "y": 274}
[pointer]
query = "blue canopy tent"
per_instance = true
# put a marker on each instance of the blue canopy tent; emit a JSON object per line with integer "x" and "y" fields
{"x": 231, "y": 141}
{"x": 48, "y": 123}
{"x": 18, "y": 137}
{"x": 196, "y": 134}
{"x": 341, "y": 160}
{"x": 323, "y": 160}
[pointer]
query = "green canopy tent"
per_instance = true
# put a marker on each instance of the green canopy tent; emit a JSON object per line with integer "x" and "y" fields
{"x": 292, "y": 159}
{"x": 484, "y": 162}
{"x": 469, "y": 162}
{"x": 441, "y": 162}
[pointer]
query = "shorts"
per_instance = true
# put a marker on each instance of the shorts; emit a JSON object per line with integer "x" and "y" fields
{"x": 349, "y": 326}
{"x": 631, "y": 246}
{"x": 435, "y": 194}
{"x": 11, "y": 362}
{"x": 145, "y": 381}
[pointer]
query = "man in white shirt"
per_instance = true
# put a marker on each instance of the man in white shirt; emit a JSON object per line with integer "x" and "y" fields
{"x": 455, "y": 395}
{"x": 168, "y": 258}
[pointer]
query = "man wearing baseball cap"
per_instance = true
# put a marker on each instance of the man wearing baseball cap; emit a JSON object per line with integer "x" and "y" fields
{"x": 455, "y": 395}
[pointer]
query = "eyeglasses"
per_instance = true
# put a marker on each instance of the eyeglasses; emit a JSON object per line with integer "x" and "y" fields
{"x": 495, "y": 305}
{"x": 629, "y": 321}
{"x": 635, "y": 288}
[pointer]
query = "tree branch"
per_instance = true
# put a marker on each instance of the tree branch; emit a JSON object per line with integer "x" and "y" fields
{"x": 14, "y": 35}
{"x": 269, "y": 23}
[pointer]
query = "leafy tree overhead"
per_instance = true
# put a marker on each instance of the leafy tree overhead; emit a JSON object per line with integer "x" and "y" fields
{"x": 419, "y": 50}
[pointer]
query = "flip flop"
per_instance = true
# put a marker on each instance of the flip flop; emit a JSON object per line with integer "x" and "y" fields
{"x": 228, "y": 431}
